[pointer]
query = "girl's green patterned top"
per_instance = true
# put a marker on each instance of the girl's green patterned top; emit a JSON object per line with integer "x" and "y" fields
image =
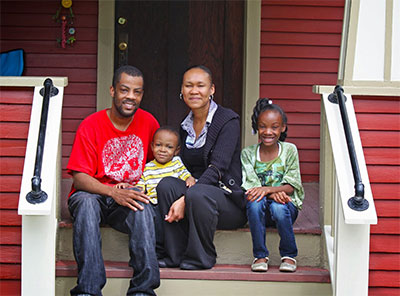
{"x": 284, "y": 169}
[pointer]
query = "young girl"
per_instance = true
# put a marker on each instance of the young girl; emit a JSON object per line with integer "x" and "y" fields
{"x": 271, "y": 178}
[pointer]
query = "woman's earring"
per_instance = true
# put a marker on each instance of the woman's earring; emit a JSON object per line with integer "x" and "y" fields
{"x": 181, "y": 96}
{"x": 211, "y": 97}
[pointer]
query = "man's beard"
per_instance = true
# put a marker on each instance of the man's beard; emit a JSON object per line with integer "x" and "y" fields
{"x": 121, "y": 111}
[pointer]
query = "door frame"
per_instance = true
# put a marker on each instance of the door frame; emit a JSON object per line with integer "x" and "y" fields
{"x": 251, "y": 63}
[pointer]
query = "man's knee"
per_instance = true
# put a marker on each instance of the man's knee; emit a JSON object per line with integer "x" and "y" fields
{"x": 84, "y": 202}
{"x": 146, "y": 215}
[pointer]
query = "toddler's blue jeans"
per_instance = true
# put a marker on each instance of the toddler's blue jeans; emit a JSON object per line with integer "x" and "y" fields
{"x": 265, "y": 213}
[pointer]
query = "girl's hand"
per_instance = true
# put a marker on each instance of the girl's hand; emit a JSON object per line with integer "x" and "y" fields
{"x": 190, "y": 181}
{"x": 280, "y": 197}
{"x": 257, "y": 193}
{"x": 176, "y": 211}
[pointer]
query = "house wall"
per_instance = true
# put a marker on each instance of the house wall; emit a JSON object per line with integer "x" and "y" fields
{"x": 300, "y": 47}
{"x": 378, "y": 119}
{"x": 15, "y": 109}
{"x": 29, "y": 25}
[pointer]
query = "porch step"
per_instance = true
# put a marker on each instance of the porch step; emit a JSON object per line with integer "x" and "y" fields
{"x": 233, "y": 247}
{"x": 231, "y": 275}
{"x": 221, "y": 280}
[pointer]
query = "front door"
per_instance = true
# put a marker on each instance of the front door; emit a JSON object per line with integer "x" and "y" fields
{"x": 163, "y": 38}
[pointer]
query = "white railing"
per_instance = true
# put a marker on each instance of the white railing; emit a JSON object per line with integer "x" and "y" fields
{"x": 346, "y": 231}
{"x": 39, "y": 221}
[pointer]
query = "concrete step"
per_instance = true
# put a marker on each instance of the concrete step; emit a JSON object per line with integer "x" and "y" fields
{"x": 233, "y": 247}
{"x": 220, "y": 280}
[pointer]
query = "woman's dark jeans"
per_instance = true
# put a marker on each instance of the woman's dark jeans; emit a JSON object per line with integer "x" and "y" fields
{"x": 88, "y": 212}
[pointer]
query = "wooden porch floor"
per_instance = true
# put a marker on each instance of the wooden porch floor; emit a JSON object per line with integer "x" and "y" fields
{"x": 308, "y": 219}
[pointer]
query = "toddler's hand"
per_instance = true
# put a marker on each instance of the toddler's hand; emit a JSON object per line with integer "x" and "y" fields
{"x": 190, "y": 181}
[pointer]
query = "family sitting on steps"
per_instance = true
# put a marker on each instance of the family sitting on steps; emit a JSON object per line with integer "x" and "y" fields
{"x": 198, "y": 182}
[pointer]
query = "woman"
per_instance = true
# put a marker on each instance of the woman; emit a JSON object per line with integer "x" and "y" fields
{"x": 210, "y": 149}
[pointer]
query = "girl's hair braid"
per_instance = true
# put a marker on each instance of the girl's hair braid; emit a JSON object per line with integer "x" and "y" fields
{"x": 265, "y": 104}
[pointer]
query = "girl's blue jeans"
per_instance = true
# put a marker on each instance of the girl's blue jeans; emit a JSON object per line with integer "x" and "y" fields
{"x": 265, "y": 213}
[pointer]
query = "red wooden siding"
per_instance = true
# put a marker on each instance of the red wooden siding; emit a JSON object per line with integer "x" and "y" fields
{"x": 29, "y": 25}
{"x": 300, "y": 45}
{"x": 15, "y": 110}
{"x": 378, "y": 119}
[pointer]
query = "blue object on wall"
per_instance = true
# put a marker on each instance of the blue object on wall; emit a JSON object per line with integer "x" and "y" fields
{"x": 12, "y": 62}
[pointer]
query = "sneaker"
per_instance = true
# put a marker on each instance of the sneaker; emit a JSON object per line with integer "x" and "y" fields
{"x": 261, "y": 266}
{"x": 286, "y": 266}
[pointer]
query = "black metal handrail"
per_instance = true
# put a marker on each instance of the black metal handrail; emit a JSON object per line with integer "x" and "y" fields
{"x": 357, "y": 202}
{"x": 37, "y": 195}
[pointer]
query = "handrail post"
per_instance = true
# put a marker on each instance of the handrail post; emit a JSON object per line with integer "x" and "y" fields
{"x": 357, "y": 202}
{"x": 37, "y": 195}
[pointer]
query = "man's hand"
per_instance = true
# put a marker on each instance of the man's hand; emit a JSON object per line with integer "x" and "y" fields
{"x": 123, "y": 197}
{"x": 176, "y": 211}
{"x": 122, "y": 185}
{"x": 129, "y": 198}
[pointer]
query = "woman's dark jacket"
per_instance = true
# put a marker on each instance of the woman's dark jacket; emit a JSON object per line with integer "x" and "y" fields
{"x": 222, "y": 153}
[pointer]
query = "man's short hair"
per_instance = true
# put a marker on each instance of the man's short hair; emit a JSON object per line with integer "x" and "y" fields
{"x": 127, "y": 69}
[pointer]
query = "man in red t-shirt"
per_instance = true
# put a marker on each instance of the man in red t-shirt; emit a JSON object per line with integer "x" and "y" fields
{"x": 113, "y": 146}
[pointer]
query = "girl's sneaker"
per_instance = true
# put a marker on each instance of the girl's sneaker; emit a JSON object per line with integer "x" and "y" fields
{"x": 260, "y": 266}
{"x": 287, "y": 266}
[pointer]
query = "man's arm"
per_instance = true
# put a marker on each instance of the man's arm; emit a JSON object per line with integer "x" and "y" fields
{"x": 126, "y": 198}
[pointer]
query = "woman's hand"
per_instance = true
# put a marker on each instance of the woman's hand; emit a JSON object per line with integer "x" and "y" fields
{"x": 280, "y": 197}
{"x": 257, "y": 193}
{"x": 176, "y": 211}
{"x": 190, "y": 181}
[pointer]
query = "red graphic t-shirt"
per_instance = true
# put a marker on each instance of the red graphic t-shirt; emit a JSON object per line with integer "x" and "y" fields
{"x": 110, "y": 155}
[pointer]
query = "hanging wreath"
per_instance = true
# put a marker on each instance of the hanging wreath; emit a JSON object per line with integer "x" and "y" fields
{"x": 65, "y": 16}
